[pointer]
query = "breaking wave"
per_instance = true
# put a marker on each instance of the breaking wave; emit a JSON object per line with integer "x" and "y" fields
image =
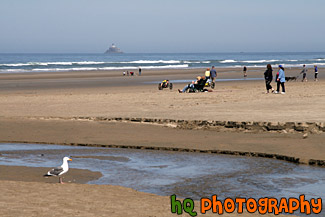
{"x": 12, "y": 63}
{"x": 228, "y": 61}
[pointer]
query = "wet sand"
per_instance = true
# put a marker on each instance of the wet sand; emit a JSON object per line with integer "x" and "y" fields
{"x": 151, "y": 136}
{"x": 35, "y": 174}
{"x": 30, "y": 104}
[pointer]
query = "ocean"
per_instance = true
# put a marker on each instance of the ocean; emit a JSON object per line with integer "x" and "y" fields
{"x": 13, "y": 63}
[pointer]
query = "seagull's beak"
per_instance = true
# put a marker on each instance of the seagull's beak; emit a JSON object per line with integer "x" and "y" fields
{"x": 70, "y": 159}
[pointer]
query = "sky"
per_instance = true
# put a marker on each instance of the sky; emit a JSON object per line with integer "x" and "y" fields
{"x": 156, "y": 26}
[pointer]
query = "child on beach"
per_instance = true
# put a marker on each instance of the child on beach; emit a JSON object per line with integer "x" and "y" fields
{"x": 316, "y": 72}
{"x": 207, "y": 74}
{"x": 280, "y": 80}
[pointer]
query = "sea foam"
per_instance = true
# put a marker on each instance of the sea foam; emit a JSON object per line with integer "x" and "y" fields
{"x": 153, "y": 61}
{"x": 228, "y": 61}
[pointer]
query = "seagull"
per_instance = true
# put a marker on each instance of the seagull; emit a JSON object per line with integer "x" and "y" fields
{"x": 60, "y": 170}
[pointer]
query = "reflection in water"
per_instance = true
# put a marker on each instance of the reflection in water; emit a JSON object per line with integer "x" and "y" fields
{"x": 192, "y": 175}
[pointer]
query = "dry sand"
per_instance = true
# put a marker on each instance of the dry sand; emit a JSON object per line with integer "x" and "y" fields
{"x": 29, "y": 100}
{"x": 41, "y": 199}
{"x": 111, "y": 96}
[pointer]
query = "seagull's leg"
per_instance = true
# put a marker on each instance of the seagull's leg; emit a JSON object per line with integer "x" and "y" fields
{"x": 60, "y": 180}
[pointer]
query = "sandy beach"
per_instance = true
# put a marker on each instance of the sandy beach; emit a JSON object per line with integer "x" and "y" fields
{"x": 111, "y": 95}
{"x": 106, "y": 108}
{"x": 40, "y": 199}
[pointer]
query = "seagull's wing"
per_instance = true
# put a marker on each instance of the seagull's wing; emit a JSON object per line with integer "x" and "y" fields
{"x": 55, "y": 171}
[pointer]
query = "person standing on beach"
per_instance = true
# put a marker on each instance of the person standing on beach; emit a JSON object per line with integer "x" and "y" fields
{"x": 280, "y": 80}
{"x": 316, "y": 73}
{"x": 139, "y": 71}
{"x": 127, "y": 73}
{"x": 268, "y": 75}
{"x": 213, "y": 74}
{"x": 245, "y": 71}
{"x": 304, "y": 73}
{"x": 207, "y": 74}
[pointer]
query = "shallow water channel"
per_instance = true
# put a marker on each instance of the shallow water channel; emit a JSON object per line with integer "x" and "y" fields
{"x": 193, "y": 175}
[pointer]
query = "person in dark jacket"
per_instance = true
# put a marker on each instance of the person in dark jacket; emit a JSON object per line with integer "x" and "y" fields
{"x": 245, "y": 71}
{"x": 201, "y": 83}
{"x": 268, "y": 75}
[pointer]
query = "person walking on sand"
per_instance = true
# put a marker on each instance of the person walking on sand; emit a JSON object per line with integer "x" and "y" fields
{"x": 213, "y": 74}
{"x": 304, "y": 73}
{"x": 140, "y": 71}
{"x": 268, "y": 75}
{"x": 245, "y": 71}
{"x": 280, "y": 80}
{"x": 316, "y": 73}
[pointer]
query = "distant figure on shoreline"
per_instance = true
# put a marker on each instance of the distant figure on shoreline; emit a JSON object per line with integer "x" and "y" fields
{"x": 304, "y": 73}
{"x": 213, "y": 74}
{"x": 268, "y": 76}
{"x": 140, "y": 71}
{"x": 123, "y": 73}
{"x": 127, "y": 73}
{"x": 316, "y": 73}
{"x": 245, "y": 71}
{"x": 280, "y": 80}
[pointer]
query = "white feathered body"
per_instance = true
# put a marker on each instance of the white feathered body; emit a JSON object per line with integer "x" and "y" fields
{"x": 64, "y": 168}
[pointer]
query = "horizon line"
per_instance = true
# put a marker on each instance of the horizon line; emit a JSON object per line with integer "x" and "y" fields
{"x": 162, "y": 52}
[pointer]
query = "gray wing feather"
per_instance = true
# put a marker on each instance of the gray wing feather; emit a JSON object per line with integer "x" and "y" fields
{"x": 55, "y": 171}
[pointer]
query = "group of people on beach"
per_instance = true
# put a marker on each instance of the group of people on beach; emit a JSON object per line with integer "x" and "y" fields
{"x": 209, "y": 76}
{"x": 132, "y": 73}
{"x": 280, "y": 78}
